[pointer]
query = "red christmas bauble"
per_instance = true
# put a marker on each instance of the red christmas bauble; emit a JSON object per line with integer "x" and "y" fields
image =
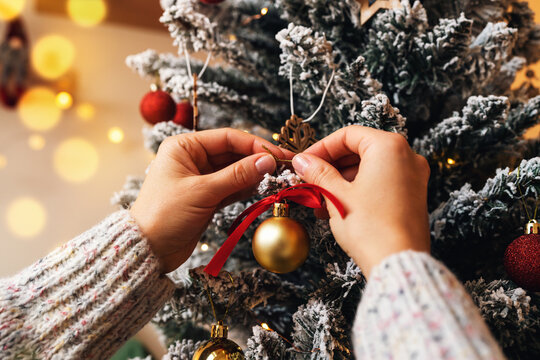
{"x": 184, "y": 114}
{"x": 157, "y": 106}
{"x": 522, "y": 261}
{"x": 210, "y": 2}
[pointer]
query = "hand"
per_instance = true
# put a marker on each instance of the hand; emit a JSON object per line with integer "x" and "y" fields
{"x": 192, "y": 176}
{"x": 383, "y": 185}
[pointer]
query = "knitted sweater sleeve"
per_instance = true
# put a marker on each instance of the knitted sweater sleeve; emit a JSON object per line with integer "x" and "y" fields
{"x": 413, "y": 307}
{"x": 84, "y": 299}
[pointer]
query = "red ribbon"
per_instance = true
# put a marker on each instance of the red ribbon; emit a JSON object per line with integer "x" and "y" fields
{"x": 304, "y": 194}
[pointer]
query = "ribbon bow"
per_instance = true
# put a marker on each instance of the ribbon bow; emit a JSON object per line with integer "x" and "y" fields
{"x": 309, "y": 195}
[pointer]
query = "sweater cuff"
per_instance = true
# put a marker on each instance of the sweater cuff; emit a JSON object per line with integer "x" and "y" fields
{"x": 88, "y": 296}
{"x": 414, "y": 307}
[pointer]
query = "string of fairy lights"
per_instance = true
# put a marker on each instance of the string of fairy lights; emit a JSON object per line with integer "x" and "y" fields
{"x": 42, "y": 106}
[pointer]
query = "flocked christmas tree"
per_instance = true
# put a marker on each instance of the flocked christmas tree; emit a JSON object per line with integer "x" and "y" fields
{"x": 438, "y": 72}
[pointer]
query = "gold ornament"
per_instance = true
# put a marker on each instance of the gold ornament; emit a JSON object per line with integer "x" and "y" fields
{"x": 368, "y": 8}
{"x": 280, "y": 244}
{"x": 296, "y": 135}
{"x": 219, "y": 347}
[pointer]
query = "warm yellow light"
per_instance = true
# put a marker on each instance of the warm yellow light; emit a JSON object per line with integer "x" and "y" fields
{"x": 204, "y": 247}
{"x": 87, "y": 12}
{"x": 85, "y": 111}
{"x": 450, "y": 161}
{"x": 76, "y": 160}
{"x": 52, "y": 56}
{"x": 64, "y": 100}
{"x": 232, "y": 37}
{"x": 10, "y": 9}
{"x": 3, "y": 161}
{"x": 36, "y": 142}
{"x": 37, "y": 109}
{"x": 264, "y": 11}
{"x": 265, "y": 326}
{"x": 116, "y": 135}
{"x": 26, "y": 217}
{"x": 275, "y": 136}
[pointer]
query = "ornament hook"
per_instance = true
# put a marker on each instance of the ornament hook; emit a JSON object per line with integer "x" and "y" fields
{"x": 531, "y": 219}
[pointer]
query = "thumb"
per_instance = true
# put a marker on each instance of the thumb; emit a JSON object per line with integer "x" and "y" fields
{"x": 315, "y": 170}
{"x": 241, "y": 175}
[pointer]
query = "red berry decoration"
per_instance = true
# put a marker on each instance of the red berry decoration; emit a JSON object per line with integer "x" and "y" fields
{"x": 522, "y": 258}
{"x": 211, "y": 2}
{"x": 157, "y": 106}
{"x": 184, "y": 114}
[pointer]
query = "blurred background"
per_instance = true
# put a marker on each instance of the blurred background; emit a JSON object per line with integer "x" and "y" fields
{"x": 75, "y": 133}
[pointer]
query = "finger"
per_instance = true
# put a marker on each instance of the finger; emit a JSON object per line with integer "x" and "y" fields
{"x": 220, "y": 141}
{"x": 238, "y": 196}
{"x": 349, "y": 173}
{"x": 315, "y": 170}
{"x": 219, "y": 162}
{"x": 354, "y": 139}
{"x": 347, "y": 161}
{"x": 240, "y": 175}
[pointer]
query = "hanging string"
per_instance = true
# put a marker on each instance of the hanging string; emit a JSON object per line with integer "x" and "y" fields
{"x": 322, "y": 98}
{"x": 274, "y": 156}
{"x": 291, "y": 95}
{"x": 523, "y": 200}
{"x": 195, "y": 77}
{"x": 195, "y": 104}
{"x": 188, "y": 62}
{"x": 212, "y": 303}
{"x": 207, "y": 61}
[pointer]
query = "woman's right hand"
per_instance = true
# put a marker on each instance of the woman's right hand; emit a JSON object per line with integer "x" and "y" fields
{"x": 383, "y": 185}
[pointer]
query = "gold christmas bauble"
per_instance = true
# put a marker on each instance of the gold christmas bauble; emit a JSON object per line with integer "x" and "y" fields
{"x": 219, "y": 347}
{"x": 280, "y": 244}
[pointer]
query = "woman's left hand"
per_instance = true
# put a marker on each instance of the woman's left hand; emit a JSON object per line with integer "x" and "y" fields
{"x": 191, "y": 177}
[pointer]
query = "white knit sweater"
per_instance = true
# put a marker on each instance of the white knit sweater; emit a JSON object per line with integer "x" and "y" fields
{"x": 86, "y": 298}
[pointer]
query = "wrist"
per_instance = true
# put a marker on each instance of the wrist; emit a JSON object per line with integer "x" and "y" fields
{"x": 368, "y": 256}
{"x": 138, "y": 217}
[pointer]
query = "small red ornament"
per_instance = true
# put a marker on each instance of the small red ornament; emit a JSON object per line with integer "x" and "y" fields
{"x": 157, "y": 106}
{"x": 184, "y": 114}
{"x": 211, "y": 2}
{"x": 522, "y": 258}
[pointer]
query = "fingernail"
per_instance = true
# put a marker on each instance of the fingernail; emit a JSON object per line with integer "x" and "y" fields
{"x": 265, "y": 164}
{"x": 300, "y": 164}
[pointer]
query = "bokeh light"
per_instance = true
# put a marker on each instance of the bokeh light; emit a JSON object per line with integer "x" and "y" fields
{"x": 64, "y": 100}
{"x": 52, "y": 56}
{"x": 115, "y": 135}
{"x": 3, "y": 161}
{"x": 204, "y": 247}
{"x": 36, "y": 142}
{"x": 87, "y": 12}
{"x": 85, "y": 111}
{"x": 275, "y": 136}
{"x": 26, "y": 217}
{"x": 265, "y": 326}
{"x": 10, "y": 9}
{"x": 76, "y": 160}
{"x": 37, "y": 109}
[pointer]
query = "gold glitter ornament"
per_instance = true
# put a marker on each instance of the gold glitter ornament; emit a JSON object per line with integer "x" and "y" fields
{"x": 219, "y": 347}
